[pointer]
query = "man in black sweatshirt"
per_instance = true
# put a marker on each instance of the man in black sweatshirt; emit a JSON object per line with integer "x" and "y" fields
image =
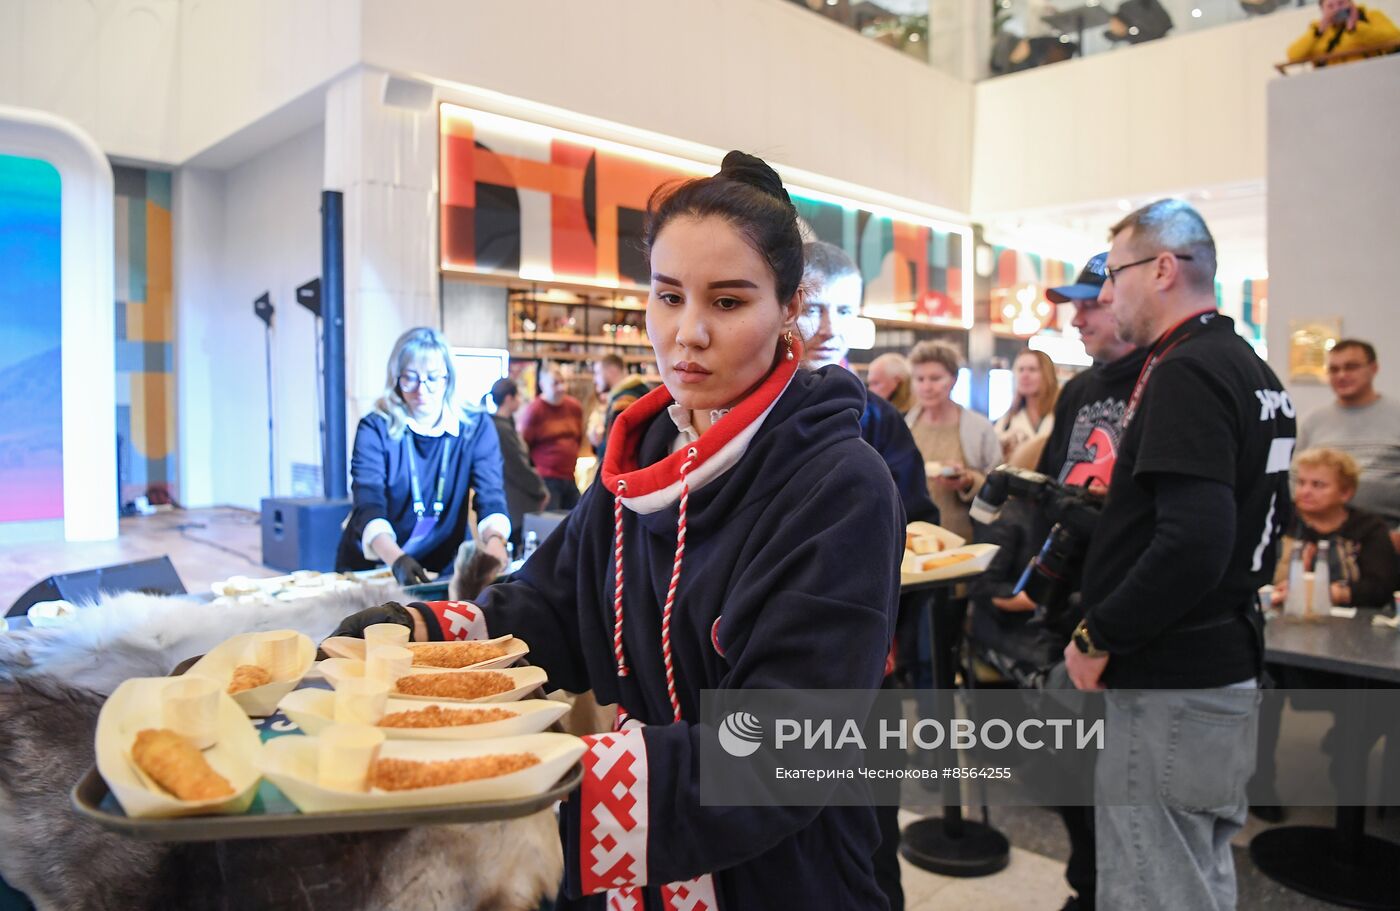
{"x": 1083, "y": 445}
{"x": 834, "y": 290}
{"x": 1195, "y": 507}
{"x": 1081, "y": 450}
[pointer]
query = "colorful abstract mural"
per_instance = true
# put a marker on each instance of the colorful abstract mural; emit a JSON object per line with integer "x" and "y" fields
{"x": 525, "y": 201}
{"x": 144, "y": 335}
{"x": 1254, "y": 309}
{"x": 31, "y": 352}
{"x": 1014, "y": 307}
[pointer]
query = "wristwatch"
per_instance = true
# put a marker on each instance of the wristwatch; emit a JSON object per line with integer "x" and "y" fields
{"x": 1082, "y": 641}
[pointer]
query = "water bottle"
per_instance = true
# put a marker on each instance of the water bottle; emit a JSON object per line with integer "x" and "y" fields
{"x": 1295, "y": 602}
{"x": 532, "y": 541}
{"x": 1322, "y": 582}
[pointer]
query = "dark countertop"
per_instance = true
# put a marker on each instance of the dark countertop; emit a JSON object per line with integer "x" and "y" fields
{"x": 1351, "y": 646}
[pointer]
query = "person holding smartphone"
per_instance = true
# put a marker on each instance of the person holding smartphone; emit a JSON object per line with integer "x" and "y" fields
{"x": 959, "y": 446}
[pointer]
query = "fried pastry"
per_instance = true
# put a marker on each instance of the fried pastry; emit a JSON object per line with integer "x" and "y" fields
{"x": 456, "y": 654}
{"x": 174, "y": 764}
{"x": 435, "y": 716}
{"x": 467, "y": 685}
{"x": 248, "y": 677}
{"x": 408, "y": 774}
{"x": 949, "y": 560}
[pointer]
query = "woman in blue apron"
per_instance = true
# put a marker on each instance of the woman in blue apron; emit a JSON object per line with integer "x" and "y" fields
{"x": 417, "y": 458}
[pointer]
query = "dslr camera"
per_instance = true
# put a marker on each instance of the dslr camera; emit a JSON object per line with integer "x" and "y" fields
{"x": 1073, "y": 511}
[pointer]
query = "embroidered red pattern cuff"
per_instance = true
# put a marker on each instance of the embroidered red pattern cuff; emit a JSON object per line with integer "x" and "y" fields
{"x": 452, "y": 620}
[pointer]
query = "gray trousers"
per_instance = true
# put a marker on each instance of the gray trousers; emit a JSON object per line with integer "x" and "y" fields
{"x": 1170, "y": 794}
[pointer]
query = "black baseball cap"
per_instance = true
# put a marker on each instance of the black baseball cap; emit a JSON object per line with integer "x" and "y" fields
{"x": 1086, "y": 287}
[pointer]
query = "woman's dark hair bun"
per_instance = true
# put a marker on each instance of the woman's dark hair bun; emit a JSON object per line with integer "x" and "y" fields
{"x": 749, "y": 195}
{"x": 745, "y": 168}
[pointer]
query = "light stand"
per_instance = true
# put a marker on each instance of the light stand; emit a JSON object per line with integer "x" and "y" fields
{"x": 263, "y": 310}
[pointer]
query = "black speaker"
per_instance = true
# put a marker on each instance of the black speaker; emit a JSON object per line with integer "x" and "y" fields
{"x": 309, "y": 296}
{"x": 301, "y": 532}
{"x": 155, "y": 577}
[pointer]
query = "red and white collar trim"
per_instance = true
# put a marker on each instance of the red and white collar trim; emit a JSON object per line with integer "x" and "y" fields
{"x": 658, "y": 486}
{"x": 669, "y": 481}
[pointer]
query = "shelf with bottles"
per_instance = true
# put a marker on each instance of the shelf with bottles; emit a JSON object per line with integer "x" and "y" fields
{"x": 629, "y": 304}
{"x": 535, "y": 297}
{"x": 624, "y": 340}
{"x": 547, "y": 355}
{"x": 917, "y": 325}
{"x": 552, "y": 318}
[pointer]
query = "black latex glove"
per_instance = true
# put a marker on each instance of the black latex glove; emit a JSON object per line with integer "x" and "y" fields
{"x": 409, "y": 571}
{"x": 388, "y": 612}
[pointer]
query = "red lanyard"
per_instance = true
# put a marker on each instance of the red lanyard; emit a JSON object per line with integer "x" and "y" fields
{"x": 1164, "y": 345}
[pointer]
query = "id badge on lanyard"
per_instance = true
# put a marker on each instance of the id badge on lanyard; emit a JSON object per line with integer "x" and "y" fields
{"x": 1173, "y": 337}
{"x": 426, "y": 523}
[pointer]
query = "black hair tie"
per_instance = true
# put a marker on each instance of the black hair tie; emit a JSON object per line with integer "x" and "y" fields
{"x": 749, "y": 169}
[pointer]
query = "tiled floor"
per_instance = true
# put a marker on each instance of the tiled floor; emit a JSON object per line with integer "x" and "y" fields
{"x": 209, "y": 545}
{"x": 1028, "y": 874}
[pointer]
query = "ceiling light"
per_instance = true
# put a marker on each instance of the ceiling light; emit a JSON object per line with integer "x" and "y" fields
{"x": 1196, "y": 13}
{"x": 831, "y": 2}
{"x": 1133, "y": 30}
{"x": 1064, "y": 39}
{"x": 914, "y": 37}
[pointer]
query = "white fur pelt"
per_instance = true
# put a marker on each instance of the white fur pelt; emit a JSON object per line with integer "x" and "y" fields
{"x": 52, "y": 683}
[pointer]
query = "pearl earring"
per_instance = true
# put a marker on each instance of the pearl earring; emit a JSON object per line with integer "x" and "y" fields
{"x": 787, "y": 337}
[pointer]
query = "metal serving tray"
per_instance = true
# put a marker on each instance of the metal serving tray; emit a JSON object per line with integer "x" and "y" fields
{"x": 272, "y": 816}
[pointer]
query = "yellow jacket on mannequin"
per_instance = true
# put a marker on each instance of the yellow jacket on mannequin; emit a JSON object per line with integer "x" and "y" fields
{"x": 1373, "y": 28}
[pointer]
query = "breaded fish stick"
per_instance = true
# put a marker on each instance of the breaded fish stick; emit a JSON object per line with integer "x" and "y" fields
{"x": 248, "y": 677}
{"x": 456, "y": 654}
{"x": 174, "y": 764}
{"x": 464, "y": 685}
{"x": 407, "y": 774}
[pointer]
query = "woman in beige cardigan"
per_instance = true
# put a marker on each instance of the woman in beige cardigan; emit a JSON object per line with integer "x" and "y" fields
{"x": 959, "y": 446}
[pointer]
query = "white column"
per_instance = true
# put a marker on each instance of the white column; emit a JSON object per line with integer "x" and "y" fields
{"x": 198, "y": 217}
{"x": 384, "y": 159}
{"x": 88, "y": 328}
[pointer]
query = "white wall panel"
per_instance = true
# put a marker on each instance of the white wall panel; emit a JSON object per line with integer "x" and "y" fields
{"x": 761, "y": 75}
{"x": 252, "y": 229}
{"x": 1334, "y": 212}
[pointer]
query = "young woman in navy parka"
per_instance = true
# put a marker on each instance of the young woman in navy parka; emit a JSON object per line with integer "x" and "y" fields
{"x": 741, "y": 535}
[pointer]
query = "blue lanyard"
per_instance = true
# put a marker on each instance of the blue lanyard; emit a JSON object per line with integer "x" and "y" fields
{"x": 413, "y": 475}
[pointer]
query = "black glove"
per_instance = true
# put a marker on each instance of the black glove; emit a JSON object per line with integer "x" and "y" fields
{"x": 409, "y": 571}
{"x": 388, "y": 612}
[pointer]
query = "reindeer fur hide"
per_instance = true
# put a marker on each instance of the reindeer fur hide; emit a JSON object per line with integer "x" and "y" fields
{"x": 52, "y": 684}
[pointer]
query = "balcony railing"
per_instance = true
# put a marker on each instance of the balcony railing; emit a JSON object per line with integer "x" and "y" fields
{"x": 974, "y": 39}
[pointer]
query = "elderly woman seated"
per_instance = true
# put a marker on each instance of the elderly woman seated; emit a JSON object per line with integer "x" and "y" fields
{"x": 1361, "y": 559}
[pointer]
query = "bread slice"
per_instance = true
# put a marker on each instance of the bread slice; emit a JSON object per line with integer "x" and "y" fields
{"x": 925, "y": 544}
